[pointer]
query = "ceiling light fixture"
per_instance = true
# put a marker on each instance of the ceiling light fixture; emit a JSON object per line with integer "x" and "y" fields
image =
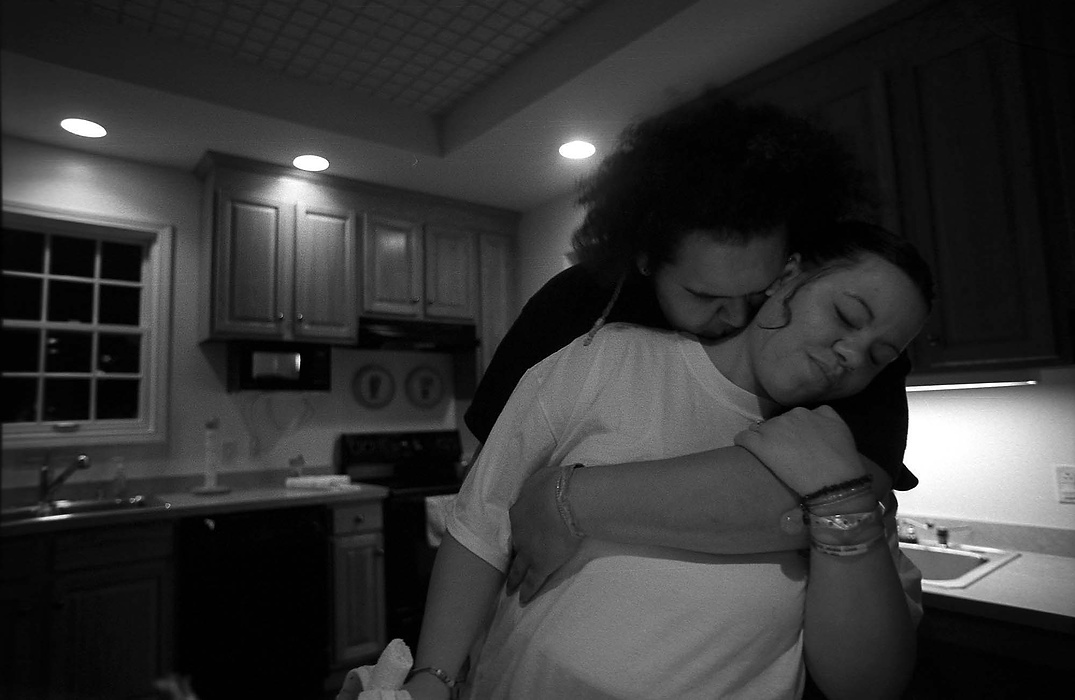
{"x": 312, "y": 163}
{"x": 577, "y": 150}
{"x": 83, "y": 127}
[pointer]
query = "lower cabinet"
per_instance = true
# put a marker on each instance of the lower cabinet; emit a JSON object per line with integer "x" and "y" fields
{"x": 86, "y": 614}
{"x": 358, "y": 614}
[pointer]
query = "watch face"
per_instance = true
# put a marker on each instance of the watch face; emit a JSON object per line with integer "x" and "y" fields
{"x": 373, "y": 386}
{"x": 425, "y": 387}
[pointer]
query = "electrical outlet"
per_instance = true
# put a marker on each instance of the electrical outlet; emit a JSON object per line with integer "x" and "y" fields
{"x": 1065, "y": 483}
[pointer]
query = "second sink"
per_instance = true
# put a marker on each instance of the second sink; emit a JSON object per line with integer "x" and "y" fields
{"x": 955, "y": 566}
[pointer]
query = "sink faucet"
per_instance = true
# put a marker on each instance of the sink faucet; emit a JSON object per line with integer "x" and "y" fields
{"x": 943, "y": 533}
{"x": 907, "y": 529}
{"x": 45, "y": 486}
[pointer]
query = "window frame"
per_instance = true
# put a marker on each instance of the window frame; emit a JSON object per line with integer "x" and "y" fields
{"x": 151, "y": 424}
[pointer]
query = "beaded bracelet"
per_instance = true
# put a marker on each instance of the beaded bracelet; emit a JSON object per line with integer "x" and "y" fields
{"x": 844, "y": 523}
{"x": 847, "y": 550}
{"x": 436, "y": 673}
{"x": 865, "y": 480}
{"x": 561, "y": 499}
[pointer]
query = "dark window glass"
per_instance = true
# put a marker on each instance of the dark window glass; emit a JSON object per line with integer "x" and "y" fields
{"x": 119, "y": 353}
{"x": 22, "y": 298}
{"x": 67, "y": 351}
{"x": 72, "y": 256}
{"x": 121, "y": 261}
{"x": 67, "y": 399}
{"x": 117, "y": 398}
{"x": 20, "y": 349}
{"x": 20, "y": 400}
{"x": 120, "y": 305}
{"x": 24, "y": 251}
{"x": 70, "y": 301}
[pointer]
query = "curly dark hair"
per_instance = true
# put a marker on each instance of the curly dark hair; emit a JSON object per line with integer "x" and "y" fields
{"x": 730, "y": 168}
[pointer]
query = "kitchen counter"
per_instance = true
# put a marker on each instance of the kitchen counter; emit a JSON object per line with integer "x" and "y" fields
{"x": 1034, "y": 589}
{"x": 185, "y": 504}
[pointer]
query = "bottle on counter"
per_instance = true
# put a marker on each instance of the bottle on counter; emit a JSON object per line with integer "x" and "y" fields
{"x": 212, "y": 457}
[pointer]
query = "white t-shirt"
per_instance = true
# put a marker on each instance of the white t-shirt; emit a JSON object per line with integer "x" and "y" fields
{"x": 626, "y": 621}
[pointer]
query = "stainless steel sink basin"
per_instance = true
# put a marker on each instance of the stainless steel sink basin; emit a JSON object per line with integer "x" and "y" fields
{"x": 91, "y": 506}
{"x": 955, "y": 566}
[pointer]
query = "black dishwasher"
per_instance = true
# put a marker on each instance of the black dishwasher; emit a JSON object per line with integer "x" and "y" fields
{"x": 253, "y": 603}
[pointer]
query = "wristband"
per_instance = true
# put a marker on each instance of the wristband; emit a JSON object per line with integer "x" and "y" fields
{"x": 562, "y": 504}
{"x": 847, "y": 550}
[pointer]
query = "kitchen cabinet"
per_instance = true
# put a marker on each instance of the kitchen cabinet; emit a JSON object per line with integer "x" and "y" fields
{"x": 358, "y": 584}
{"x": 283, "y": 270}
{"x": 496, "y": 274}
{"x": 419, "y": 271}
{"x": 88, "y": 613}
{"x": 932, "y": 97}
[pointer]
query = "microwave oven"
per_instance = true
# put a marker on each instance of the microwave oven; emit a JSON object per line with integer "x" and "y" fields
{"x": 279, "y": 366}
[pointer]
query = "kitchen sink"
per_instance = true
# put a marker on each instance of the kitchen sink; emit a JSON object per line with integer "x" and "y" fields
{"x": 89, "y": 506}
{"x": 955, "y": 566}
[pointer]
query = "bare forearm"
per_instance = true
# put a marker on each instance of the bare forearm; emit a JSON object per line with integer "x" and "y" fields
{"x": 859, "y": 634}
{"x": 722, "y": 502}
{"x": 462, "y": 591}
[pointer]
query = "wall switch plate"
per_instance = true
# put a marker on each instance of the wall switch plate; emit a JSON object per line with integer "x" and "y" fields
{"x": 1065, "y": 483}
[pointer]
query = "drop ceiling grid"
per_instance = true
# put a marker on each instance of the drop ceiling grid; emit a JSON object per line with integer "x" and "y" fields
{"x": 425, "y": 55}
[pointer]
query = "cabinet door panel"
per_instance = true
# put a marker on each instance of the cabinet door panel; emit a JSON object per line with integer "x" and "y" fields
{"x": 253, "y": 256}
{"x": 326, "y": 306}
{"x": 109, "y": 632}
{"x": 451, "y": 282}
{"x": 392, "y": 265}
{"x": 497, "y": 298}
{"x": 973, "y": 208}
{"x": 359, "y": 586}
{"x": 23, "y": 631}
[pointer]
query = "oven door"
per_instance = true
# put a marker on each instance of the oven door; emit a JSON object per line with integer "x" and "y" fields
{"x": 408, "y": 560}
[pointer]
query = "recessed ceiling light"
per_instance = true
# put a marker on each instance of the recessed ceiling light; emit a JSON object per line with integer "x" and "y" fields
{"x": 84, "y": 127}
{"x": 577, "y": 150}
{"x": 311, "y": 163}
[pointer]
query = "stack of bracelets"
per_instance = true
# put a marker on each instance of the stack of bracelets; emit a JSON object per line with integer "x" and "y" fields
{"x": 844, "y": 535}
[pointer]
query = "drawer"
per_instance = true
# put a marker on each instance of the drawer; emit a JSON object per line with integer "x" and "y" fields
{"x": 357, "y": 517}
{"x": 118, "y": 545}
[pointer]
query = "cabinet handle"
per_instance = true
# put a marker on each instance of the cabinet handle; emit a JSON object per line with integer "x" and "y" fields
{"x": 280, "y": 316}
{"x": 300, "y": 318}
{"x": 359, "y": 519}
{"x": 933, "y": 340}
{"x": 415, "y": 300}
{"x": 378, "y": 551}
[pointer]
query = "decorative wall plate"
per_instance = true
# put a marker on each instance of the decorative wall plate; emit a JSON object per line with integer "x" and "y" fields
{"x": 425, "y": 387}
{"x": 373, "y": 386}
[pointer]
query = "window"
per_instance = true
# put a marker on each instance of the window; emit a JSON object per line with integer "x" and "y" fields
{"x": 85, "y": 327}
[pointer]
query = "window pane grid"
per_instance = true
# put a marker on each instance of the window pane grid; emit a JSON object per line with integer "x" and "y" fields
{"x": 75, "y": 380}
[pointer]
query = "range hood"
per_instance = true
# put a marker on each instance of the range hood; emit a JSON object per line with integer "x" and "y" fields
{"x": 427, "y": 336}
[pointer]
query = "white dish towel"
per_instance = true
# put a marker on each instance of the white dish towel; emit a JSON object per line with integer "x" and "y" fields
{"x": 437, "y": 508}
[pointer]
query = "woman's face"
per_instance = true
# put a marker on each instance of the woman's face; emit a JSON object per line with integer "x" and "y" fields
{"x": 837, "y": 333}
{"x": 713, "y": 288}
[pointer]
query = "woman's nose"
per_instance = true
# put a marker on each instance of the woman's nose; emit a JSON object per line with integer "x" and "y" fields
{"x": 851, "y": 353}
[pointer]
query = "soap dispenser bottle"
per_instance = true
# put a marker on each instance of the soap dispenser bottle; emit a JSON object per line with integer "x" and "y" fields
{"x": 211, "y": 459}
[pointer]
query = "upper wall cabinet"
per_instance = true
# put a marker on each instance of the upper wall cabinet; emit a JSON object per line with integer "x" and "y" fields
{"x": 933, "y": 99}
{"x": 427, "y": 272}
{"x": 283, "y": 270}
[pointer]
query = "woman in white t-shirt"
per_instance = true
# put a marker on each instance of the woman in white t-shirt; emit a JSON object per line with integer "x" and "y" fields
{"x": 646, "y": 622}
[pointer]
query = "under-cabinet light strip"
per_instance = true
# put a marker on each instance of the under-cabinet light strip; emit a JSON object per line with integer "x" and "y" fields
{"x": 975, "y": 385}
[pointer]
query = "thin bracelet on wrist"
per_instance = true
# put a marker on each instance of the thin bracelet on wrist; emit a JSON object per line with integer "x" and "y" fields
{"x": 437, "y": 673}
{"x": 562, "y": 504}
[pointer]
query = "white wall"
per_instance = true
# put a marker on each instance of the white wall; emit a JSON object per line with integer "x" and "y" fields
{"x": 990, "y": 454}
{"x": 984, "y": 455}
{"x": 543, "y": 240}
{"x": 264, "y": 428}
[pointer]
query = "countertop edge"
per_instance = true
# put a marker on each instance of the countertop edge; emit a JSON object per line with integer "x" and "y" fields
{"x": 183, "y": 505}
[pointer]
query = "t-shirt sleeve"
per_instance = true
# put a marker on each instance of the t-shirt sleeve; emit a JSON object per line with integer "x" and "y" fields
{"x": 877, "y": 417}
{"x": 559, "y": 312}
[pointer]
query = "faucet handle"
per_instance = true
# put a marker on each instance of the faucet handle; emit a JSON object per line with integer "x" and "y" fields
{"x": 82, "y": 462}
